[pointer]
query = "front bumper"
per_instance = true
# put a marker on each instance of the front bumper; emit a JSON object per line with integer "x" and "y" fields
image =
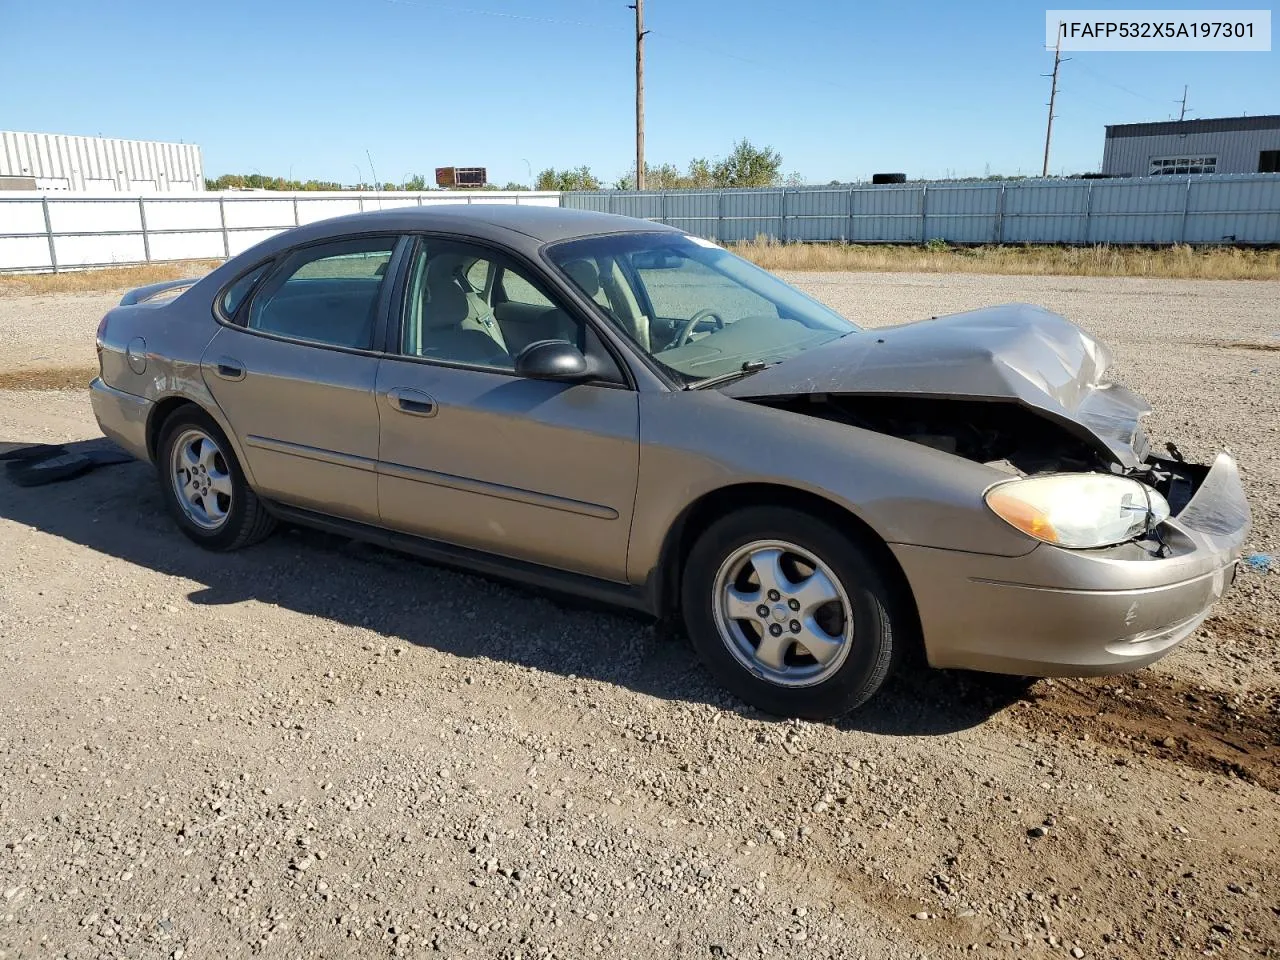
{"x": 1056, "y": 612}
{"x": 122, "y": 417}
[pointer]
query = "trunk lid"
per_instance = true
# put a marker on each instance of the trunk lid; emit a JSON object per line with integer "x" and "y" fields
{"x": 1016, "y": 352}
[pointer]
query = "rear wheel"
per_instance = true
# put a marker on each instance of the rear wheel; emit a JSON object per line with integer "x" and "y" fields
{"x": 204, "y": 486}
{"x": 789, "y": 614}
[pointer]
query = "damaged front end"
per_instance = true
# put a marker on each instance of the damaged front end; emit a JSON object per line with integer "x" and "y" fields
{"x": 1005, "y": 435}
{"x": 1016, "y": 387}
{"x": 1134, "y": 548}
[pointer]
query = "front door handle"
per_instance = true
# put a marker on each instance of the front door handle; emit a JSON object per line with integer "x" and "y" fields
{"x": 414, "y": 402}
{"x": 229, "y": 368}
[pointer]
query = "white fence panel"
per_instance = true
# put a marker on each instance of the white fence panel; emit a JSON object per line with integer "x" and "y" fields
{"x": 182, "y": 215}
{"x": 186, "y": 246}
{"x": 22, "y": 216}
{"x": 94, "y": 216}
{"x": 259, "y": 213}
{"x": 92, "y": 250}
{"x": 309, "y": 211}
{"x": 29, "y": 252}
{"x": 241, "y": 240}
{"x": 390, "y": 203}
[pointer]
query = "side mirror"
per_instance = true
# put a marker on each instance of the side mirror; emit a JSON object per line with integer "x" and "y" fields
{"x": 551, "y": 360}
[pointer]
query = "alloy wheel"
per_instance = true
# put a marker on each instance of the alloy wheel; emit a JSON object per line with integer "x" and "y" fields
{"x": 783, "y": 613}
{"x": 201, "y": 479}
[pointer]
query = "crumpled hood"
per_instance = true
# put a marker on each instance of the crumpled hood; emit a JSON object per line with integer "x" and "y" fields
{"x": 1017, "y": 352}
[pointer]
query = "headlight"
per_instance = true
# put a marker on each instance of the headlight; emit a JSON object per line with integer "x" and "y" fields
{"x": 1078, "y": 510}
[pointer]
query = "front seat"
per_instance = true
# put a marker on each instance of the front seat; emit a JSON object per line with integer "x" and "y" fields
{"x": 446, "y": 269}
{"x": 445, "y": 335}
{"x": 617, "y": 300}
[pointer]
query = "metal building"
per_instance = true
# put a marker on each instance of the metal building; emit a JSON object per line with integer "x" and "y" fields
{"x": 1170, "y": 148}
{"x": 50, "y": 161}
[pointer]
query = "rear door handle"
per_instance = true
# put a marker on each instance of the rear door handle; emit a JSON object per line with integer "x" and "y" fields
{"x": 230, "y": 369}
{"x": 414, "y": 402}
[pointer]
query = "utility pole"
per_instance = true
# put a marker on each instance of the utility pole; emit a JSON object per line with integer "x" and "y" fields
{"x": 1053, "y": 95}
{"x": 638, "y": 7}
{"x": 1183, "y": 112}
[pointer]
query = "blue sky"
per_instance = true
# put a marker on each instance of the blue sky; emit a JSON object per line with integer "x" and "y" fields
{"x": 842, "y": 90}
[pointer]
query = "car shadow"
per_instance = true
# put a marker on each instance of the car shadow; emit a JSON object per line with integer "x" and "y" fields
{"x": 118, "y": 511}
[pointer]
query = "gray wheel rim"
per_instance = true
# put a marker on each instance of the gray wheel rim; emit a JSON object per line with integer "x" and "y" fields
{"x": 782, "y": 613}
{"x": 201, "y": 479}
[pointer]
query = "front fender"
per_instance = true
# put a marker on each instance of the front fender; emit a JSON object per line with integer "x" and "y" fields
{"x": 694, "y": 443}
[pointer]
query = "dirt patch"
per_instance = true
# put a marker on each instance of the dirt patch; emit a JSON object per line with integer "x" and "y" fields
{"x": 1236, "y": 734}
{"x": 48, "y": 378}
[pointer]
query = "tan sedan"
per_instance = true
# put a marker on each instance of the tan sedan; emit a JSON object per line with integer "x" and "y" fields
{"x": 614, "y": 408}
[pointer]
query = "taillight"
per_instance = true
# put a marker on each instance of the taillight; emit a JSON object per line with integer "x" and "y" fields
{"x": 102, "y": 332}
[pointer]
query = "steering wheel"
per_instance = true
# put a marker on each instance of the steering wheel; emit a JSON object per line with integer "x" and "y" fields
{"x": 688, "y": 327}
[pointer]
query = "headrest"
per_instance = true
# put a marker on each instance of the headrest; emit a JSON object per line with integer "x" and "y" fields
{"x": 445, "y": 305}
{"x": 585, "y": 274}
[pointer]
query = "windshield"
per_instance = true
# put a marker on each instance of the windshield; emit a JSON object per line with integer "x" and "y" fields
{"x": 696, "y": 308}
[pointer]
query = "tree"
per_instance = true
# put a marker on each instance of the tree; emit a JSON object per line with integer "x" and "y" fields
{"x": 701, "y": 173}
{"x": 748, "y": 166}
{"x": 256, "y": 181}
{"x": 580, "y": 178}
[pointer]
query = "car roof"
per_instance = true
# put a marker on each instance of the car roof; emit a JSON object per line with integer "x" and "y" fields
{"x": 542, "y": 223}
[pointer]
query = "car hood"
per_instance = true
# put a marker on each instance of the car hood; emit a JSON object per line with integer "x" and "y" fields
{"x": 1017, "y": 352}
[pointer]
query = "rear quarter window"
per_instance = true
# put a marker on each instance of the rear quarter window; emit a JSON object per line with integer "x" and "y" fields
{"x": 235, "y": 294}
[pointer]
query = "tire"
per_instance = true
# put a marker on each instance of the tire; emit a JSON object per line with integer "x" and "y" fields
{"x": 807, "y": 559}
{"x": 222, "y": 513}
{"x": 882, "y": 178}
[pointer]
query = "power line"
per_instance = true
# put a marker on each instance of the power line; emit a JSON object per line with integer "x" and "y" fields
{"x": 1119, "y": 86}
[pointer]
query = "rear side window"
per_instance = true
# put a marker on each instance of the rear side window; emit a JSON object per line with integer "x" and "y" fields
{"x": 235, "y": 294}
{"x": 326, "y": 294}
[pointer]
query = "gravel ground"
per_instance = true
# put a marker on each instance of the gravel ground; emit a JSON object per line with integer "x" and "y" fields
{"x": 318, "y": 749}
{"x": 56, "y": 331}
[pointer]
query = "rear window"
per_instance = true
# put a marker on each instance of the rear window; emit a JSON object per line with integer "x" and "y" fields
{"x": 326, "y": 293}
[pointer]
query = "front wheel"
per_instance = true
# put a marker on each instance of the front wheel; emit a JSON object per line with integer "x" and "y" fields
{"x": 789, "y": 614}
{"x": 204, "y": 486}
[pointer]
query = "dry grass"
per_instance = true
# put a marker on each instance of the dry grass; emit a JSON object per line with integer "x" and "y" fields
{"x": 48, "y": 378}
{"x": 105, "y": 280}
{"x": 1178, "y": 262}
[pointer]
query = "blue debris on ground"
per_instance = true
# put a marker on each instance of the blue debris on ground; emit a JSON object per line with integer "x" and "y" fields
{"x": 1262, "y": 562}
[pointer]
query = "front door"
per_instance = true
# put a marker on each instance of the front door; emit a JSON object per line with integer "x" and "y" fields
{"x": 295, "y": 377}
{"x": 473, "y": 455}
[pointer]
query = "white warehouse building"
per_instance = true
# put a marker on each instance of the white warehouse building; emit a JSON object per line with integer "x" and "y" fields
{"x": 51, "y": 161}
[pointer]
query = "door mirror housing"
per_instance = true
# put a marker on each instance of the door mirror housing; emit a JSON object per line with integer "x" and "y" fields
{"x": 552, "y": 360}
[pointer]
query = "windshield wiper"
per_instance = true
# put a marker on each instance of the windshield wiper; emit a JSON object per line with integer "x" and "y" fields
{"x": 748, "y": 367}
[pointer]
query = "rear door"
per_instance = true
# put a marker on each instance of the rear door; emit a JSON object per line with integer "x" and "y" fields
{"x": 295, "y": 374}
{"x": 472, "y": 454}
